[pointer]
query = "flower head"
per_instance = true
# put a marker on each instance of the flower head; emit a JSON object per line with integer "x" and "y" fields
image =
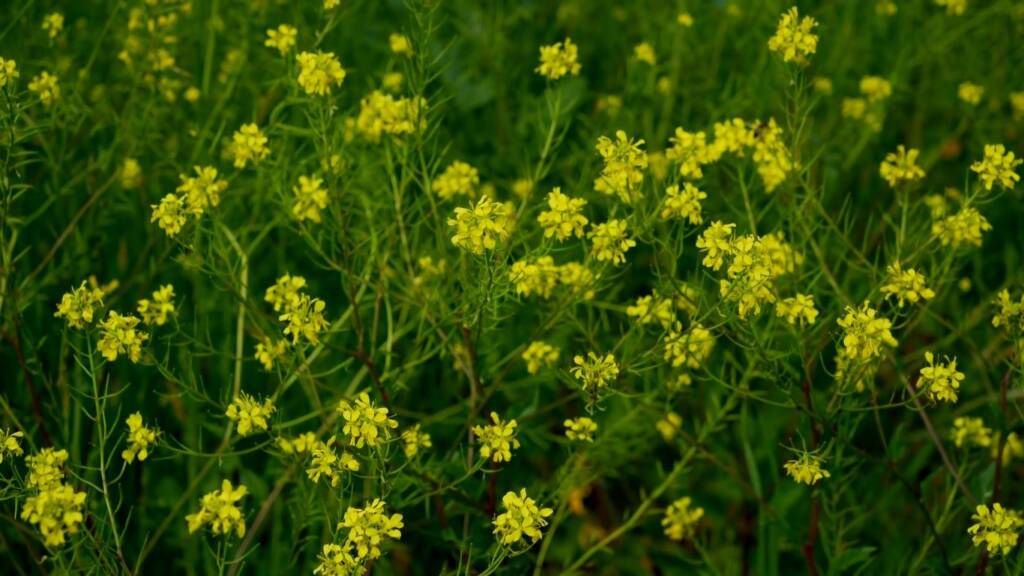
{"x": 480, "y": 227}
{"x": 319, "y": 71}
{"x": 521, "y": 520}
{"x": 8, "y": 71}
{"x": 324, "y": 461}
{"x": 170, "y": 214}
{"x": 538, "y": 355}
{"x": 282, "y": 38}
{"x": 962, "y": 228}
{"x": 248, "y": 144}
{"x": 80, "y": 306}
{"x": 57, "y": 511}
{"x": 368, "y": 527}
{"x": 53, "y": 24}
{"x": 794, "y": 38}
{"x": 624, "y": 165}
{"x": 10, "y": 443}
{"x": 806, "y": 469}
{"x": 971, "y": 431}
{"x": 690, "y": 348}
{"x": 219, "y": 510}
{"x": 458, "y": 178}
{"x": 564, "y": 217}
{"x": 610, "y": 241}
{"x": 906, "y": 285}
{"x": 400, "y": 44}
{"x": 498, "y": 439}
{"x": 558, "y": 59}
{"x": 595, "y": 372}
{"x": 941, "y": 380}
{"x": 155, "y": 311}
{"x": 305, "y": 319}
{"x": 997, "y": 167}
{"x": 683, "y": 204}
{"x": 250, "y": 414}
{"x": 45, "y": 85}
{"x": 901, "y": 166}
{"x": 310, "y": 198}
{"x": 799, "y": 308}
{"x": 413, "y": 440}
{"x": 140, "y": 439}
{"x": 365, "y": 423}
{"x": 996, "y": 528}
{"x": 121, "y": 336}
{"x": 680, "y": 521}
{"x": 580, "y": 429}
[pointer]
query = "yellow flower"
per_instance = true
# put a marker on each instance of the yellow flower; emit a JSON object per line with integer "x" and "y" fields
{"x": 8, "y": 71}
{"x": 624, "y": 165}
{"x": 942, "y": 380}
{"x": 680, "y": 521}
{"x": 10, "y": 443}
{"x": 458, "y": 178}
{"x": 578, "y": 278}
{"x": 538, "y": 276}
{"x": 996, "y": 528}
{"x": 325, "y": 461}
{"x": 970, "y": 93}
{"x": 964, "y": 227}
{"x": 644, "y": 52}
{"x": 771, "y": 154}
{"x": 219, "y": 510}
{"x": 906, "y": 285}
{"x": 683, "y": 204}
{"x": 653, "y": 308}
{"x": 120, "y": 336}
{"x": 580, "y": 429}
{"x": 1011, "y": 313}
{"x": 669, "y": 426}
{"x": 998, "y": 166}
{"x": 170, "y": 214}
{"x": 310, "y": 198}
{"x": 250, "y": 414}
{"x": 794, "y": 38}
{"x": 140, "y": 438}
{"x": 806, "y": 469}
{"x": 595, "y": 372}
{"x": 716, "y": 242}
{"x": 413, "y": 440}
{"x": 610, "y": 241}
{"x": 156, "y": 311}
{"x": 131, "y": 174}
{"x": 336, "y": 560}
{"x": 365, "y": 423}
{"x": 564, "y": 218}
{"x": 799, "y": 308}
{"x": 317, "y": 72}
{"x": 690, "y": 348}
{"x": 480, "y": 227}
{"x": 539, "y": 355}
{"x": 53, "y": 24}
{"x": 305, "y": 319}
{"x": 380, "y": 114}
{"x": 521, "y": 519}
{"x": 971, "y": 431}
{"x": 45, "y": 468}
{"x": 301, "y": 444}
{"x": 80, "y": 306}
{"x": 367, "y": 527}
{"x": 57, "y": 511}
{"x": 865, "y": 335}
{"x": 901, "y": 166}
{"x": 202, "y": 190}
{"x": 285, "y": 293}
{"x": 684, "y": 19}
{"x": 559, "y": 59}
{"x": 823, "y": 85}
{"x": 875, "y": 88}
{"x": 400, "y": 44}
{"x": 268, "y": 352}
{"x": 283, "y": 38}
{"x": 497, "y": 440}
{"x": 248, "y": 144}
{"x": 691, "y": 151}
{"x": 46, "y": 86}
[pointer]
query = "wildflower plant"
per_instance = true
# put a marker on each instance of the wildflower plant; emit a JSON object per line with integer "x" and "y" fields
{"x": 344, "y": 288}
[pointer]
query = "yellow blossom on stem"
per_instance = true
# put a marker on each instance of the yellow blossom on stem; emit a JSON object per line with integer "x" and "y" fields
{"x": 564, "y": 217}
{"x": 285, "y": 293}
{"x": 995, "y": 528}
{"x": 282, "y": 38}
{"x": 559, "y": 59}
{"x": 57, "y": 511}
{"x": 324, "y": 461}
{"x": 368, "y": 526}
{"x": 716, "y": 243}
{"x": 140, "y": 439}
{"x": 680, "y": 520}
{"x": 413, "y": 440}
{"x": 319, "y": 71}
{"x": 690, "y": 348}
{"x": 595, "y": 372}
{"x": 45, "y": 85}
{"x": 940, "y": 381}
{"x": 269, "y": 351}
{"x": 248, "y": 144}
{"x": 480, "y": 227}
{"x": 310, "y": 199}
{"x": 521, "y": 520}
{"x": 365, "y": 423}
{"x": 305, "y": 319}
{"x": 202, "y": 190}
{"x": 971, "y": 431}
{"x": 901, "y": 167}
{"x": 691, "y": 151}
{"x": 8, "y": 71}
{"x": 683, "y": 204}
{"x": 580, "y": 429}
{"x": 624, "y": 165}
{"x": 458, "y": 179}
{"x": 120, "y": 335}
{"x": 963, "y": 228}
{"x": 400, "y": 44}
{"x": 806, "y": 469}
{"x": 80, "y": 306}
{"x": 794, "y": 38}
{"x": 799, "y": 308}
{"x": 539, "y": 355}
{"x": 249, "y": 414}
{"x": 155, "y": 311}
{"x": 498, "y": 439}
{"x": 610, "y": 241}
{"x": 219, "y": 509}
{"x": 997, "y": 167}
{"x": 534, "y": 277}
{"x": 170, "y": 214}
{"x": 906, "y": 285}
{"x": 10, "y": 443}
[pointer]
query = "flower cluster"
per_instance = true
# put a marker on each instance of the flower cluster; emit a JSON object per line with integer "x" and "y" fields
{"x": 521, "y": 520}
{"x": 318, "y": 72}
{"x": 564, "y": 217}
{"x": 539, "y": 355}
{"x": 156, "y": 310}
{"x": 580, "y": 429}
{"x": 80, "y": 306}
{"x": 681, "y": 519}
{"x": 248, "y": 144}
{"x": 624, "y": 165}
{"x": 365, "y": 423}
{"x": 413, "y": 440}
{"x": 498, "y": 439}
{"x": 120, "y": 335}
{"x": 303, "y": 314}
{"x": 480, "y": 227}
{"x": 10, "y": 443}
{"x": 797, "y": 309}
{"x": 559, "y": 59}
{"x": 219, "y": 510}
{"x": 537, "y": 276}
{"x": 794, "y": 38}
{"x": 595, "y": 372}
{"x": 906, "y": 285}
{"x": 997, "y": 167}
{"x": 610, "y": 241}
{"x": 971, "y": 432}
{"x": 140, "y": 439}
{"x": 54, "y": 507}
{"x": 806, "y": 469}
{"x": 324, "y": 461}
{"x": 996, "y": 528}
{"x": 900, "y": 167}
{"x": 282, "y": 38}
{"x": 683, "y": 204}
{"x": 941, "y": 381}
{"x": 458, "y": 179}
{"x": 962, "y": 228}
{"x": 310, "y": 199}
{"x": 249, "y": 414}
{"x": 865, "y": 337}
{"x": 688, "y": 348}
{"x": 382, "y": 114}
